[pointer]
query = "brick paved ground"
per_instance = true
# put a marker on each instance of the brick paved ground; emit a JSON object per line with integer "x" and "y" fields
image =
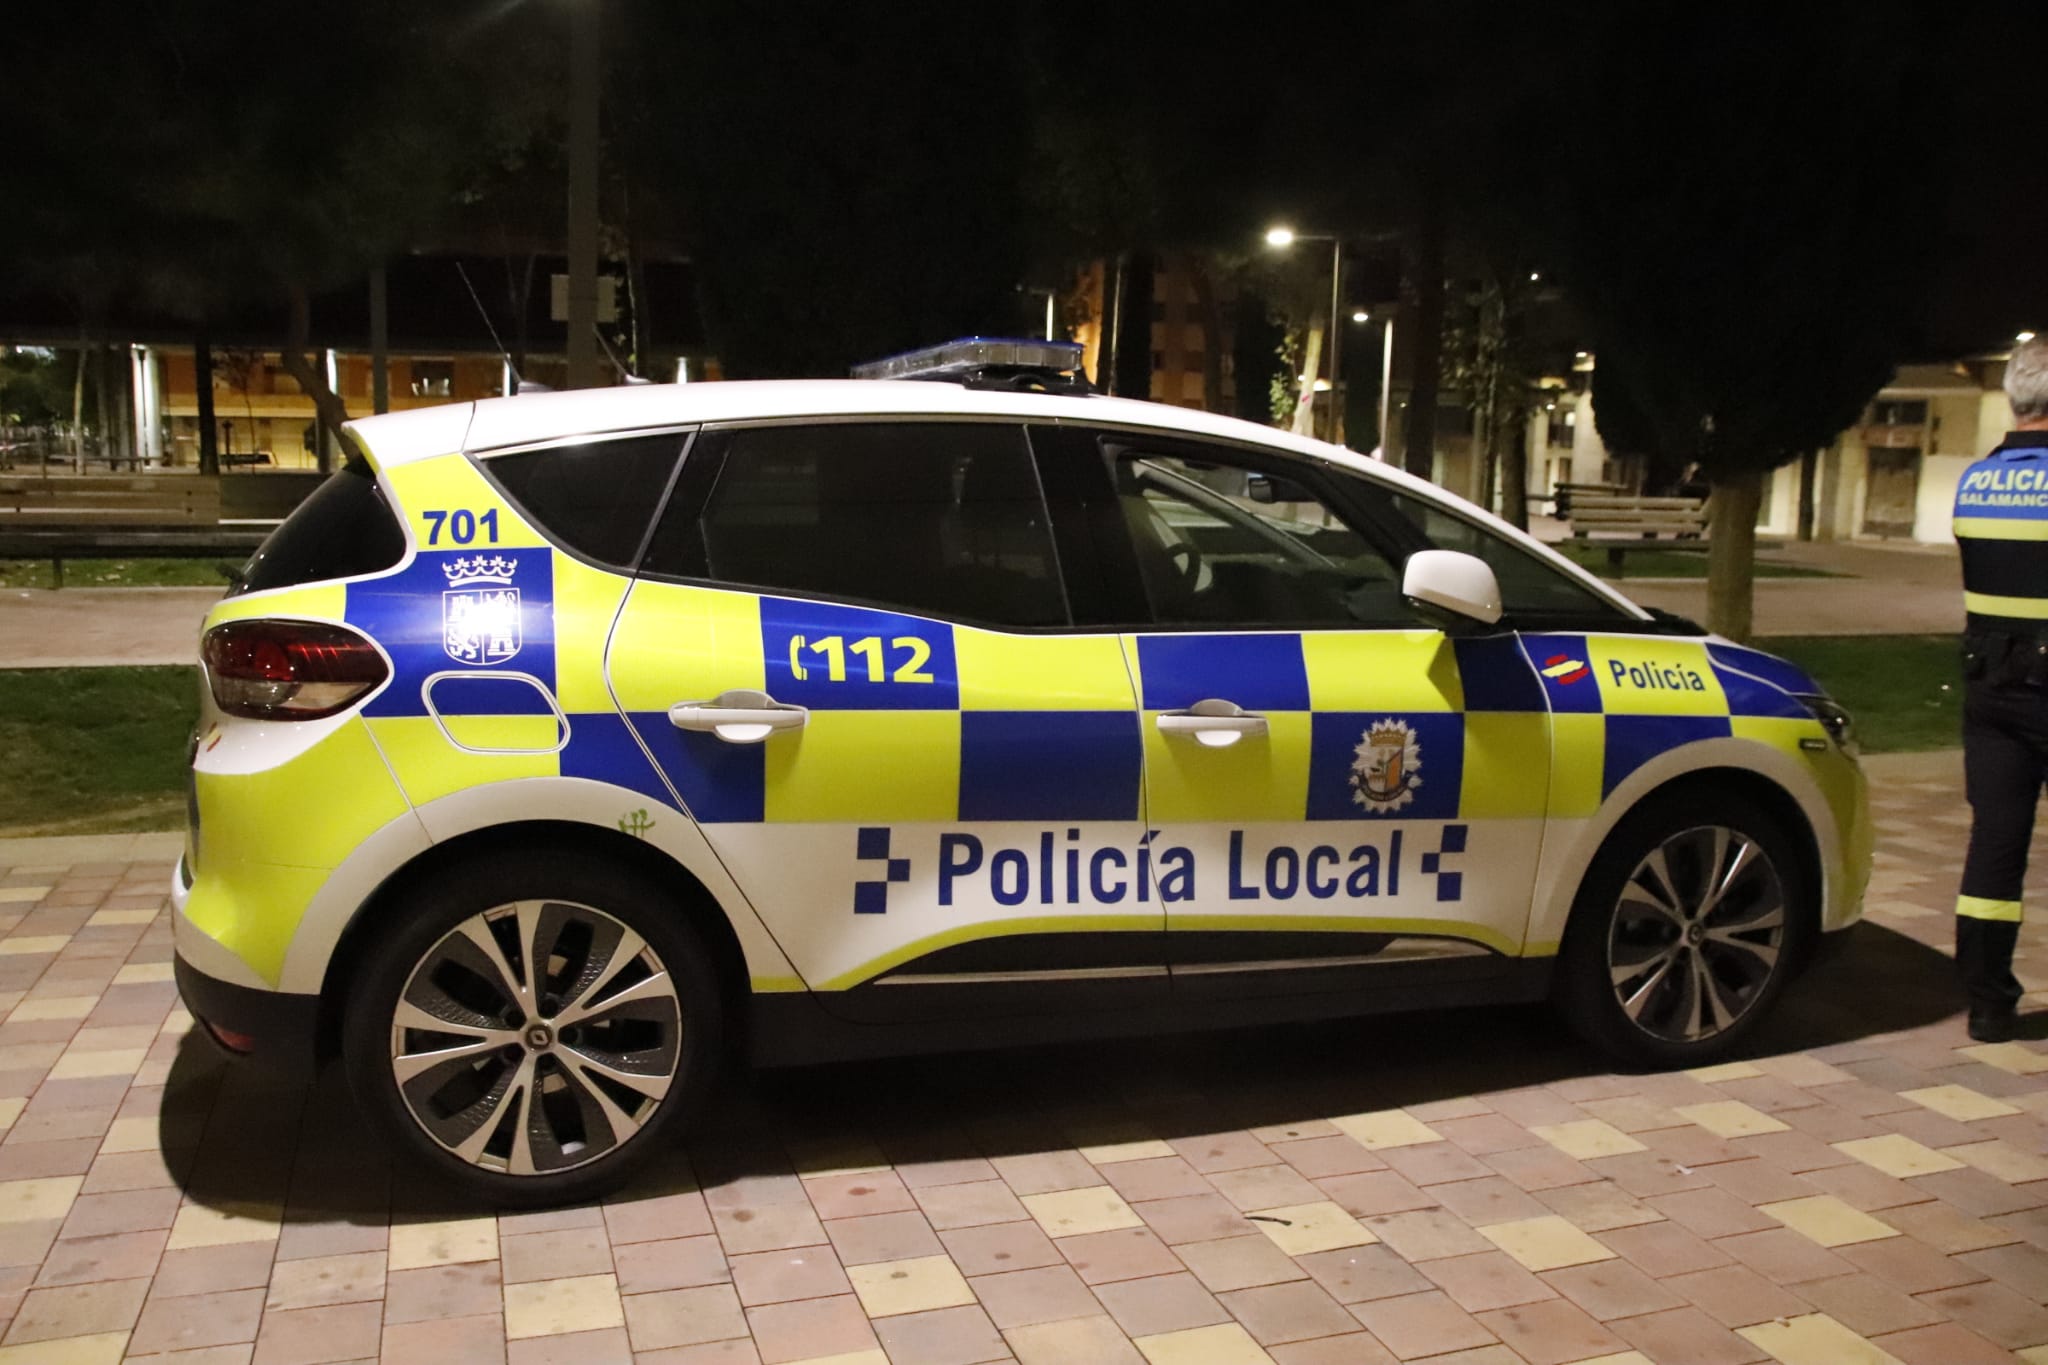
{"x": 1470, "y": 1188}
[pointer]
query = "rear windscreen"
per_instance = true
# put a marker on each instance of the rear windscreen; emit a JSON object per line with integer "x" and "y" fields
{"x": 344, "y": 530}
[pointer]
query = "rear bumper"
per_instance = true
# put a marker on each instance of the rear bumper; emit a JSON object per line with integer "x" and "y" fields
{"x": 274, "y": 1029}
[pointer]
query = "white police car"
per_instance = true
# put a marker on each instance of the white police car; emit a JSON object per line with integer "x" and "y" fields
{"x": 569, "y": 742}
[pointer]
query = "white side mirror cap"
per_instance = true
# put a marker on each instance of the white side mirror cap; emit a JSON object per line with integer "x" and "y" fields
{"x": 1454, "y": 581}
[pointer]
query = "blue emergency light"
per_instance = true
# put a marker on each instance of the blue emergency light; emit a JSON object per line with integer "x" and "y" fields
{"x": 1021, "y": 365}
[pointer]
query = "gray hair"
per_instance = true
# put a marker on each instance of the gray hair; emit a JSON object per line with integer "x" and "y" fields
{"x": 2026, "y": 380}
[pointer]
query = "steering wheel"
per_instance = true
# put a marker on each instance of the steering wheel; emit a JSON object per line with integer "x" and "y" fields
{"x": 1188, "y": 564}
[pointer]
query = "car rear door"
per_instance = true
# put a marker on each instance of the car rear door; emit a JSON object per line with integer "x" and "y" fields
{"x": 849, "y": 651}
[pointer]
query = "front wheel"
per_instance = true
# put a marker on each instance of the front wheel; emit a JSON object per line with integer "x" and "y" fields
{"x": 1687, "y": 926}
{"x": 532, "y": 1025}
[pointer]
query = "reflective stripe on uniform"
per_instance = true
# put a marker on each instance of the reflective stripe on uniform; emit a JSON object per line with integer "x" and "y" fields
{"x": 1979, "y": 907}
{"x": 1988, "y": 604}
{"x": 2000, "y": 528}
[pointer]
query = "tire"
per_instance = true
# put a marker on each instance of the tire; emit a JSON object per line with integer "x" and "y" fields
{"x": 1639, "y": 911}
{"x": 619, "y": 1043}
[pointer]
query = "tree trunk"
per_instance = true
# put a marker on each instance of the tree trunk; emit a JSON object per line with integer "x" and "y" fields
{"x": 522, "y": 300}
{"x": 78, "y": 407}
{"x": 328, "y": 408}
{"x": 202, "y": 380}
{"x": 122, "y": 370}
{"x": 105, "y": 428}
{"x": 1134, "y": 323}
{"x": 1424, "y": 266}
{"x": 380, "y": 340}
{"x": 1212, "y": 334}
{"x": 1808, "y": 468}
{"x": 1731, "y": 552}
{"x": 1514, "y": 477}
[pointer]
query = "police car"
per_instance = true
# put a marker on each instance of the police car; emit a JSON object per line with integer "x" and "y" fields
{"x": 562, "y": 745}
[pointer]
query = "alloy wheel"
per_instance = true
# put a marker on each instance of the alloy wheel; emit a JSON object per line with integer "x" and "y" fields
{"x": 536, "y": 1037}
{"x": 1697, "y": 935}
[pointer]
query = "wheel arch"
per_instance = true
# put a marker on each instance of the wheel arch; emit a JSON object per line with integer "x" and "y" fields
{"x": 1743, "y": 786}
{"x": 572, "y": 839}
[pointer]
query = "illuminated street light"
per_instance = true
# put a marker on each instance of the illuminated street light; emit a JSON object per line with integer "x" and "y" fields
{"x": 1360, "y": 315}
{"x": 1280, "y": 237}
{"x": 2023, "y": 336}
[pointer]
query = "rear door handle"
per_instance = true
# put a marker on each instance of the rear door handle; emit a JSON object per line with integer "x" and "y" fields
{"x": 740, "y": 716}
{"x": 1212, "y": 722}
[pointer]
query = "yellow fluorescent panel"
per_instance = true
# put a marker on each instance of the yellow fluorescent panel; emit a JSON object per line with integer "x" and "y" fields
{"x": 431, "y": 767}
{"x": 586, "y": 600}
{"x": 1507, "y": 765}
{"x": 1655, "y": 677}
{"x": 450, "y": 483}
{"x": 1040, "y": 672}
{"x": 265, "y": 815}
{"x": 866, "y": 766}
{"x": 252, "y": 909}
{"x": 325, "y": 602}
{"x": 1257, "y": 778}
{"x": 1579, "y": 751}
{"x": 685, "y": 644}
{"x": 1393, "y": 670}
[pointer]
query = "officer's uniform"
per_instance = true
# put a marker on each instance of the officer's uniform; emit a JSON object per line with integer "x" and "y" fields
{"x": 2001, "y": 523}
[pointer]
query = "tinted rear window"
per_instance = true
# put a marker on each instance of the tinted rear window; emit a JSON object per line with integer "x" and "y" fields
{"x": 596, "y": 497}
{"x": 345, "y": 529}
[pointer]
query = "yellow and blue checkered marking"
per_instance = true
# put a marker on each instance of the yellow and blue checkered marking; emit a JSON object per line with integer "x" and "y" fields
{"x": 910, "y": 718}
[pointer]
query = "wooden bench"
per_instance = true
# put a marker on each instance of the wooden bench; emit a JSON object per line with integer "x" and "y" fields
{"x": 158, "y": 516}
{"x": 108, "y": 500}
{"x": 1619, "y": 521}
{"x": 58, "y": 543}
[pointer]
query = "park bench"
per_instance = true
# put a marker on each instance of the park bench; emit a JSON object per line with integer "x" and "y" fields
{"x": 1619, "y": 521}
{"x": 168, "y": 515}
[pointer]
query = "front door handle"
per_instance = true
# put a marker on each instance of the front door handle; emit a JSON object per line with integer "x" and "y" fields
{"x": 740, "y": 716}
{"x": 1213, "y": 722}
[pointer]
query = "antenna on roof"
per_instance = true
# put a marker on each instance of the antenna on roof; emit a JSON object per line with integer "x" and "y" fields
{"x": 519, "y": 384}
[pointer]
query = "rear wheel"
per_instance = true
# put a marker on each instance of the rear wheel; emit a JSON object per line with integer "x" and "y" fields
{"x": 1686, "y": 928}
{"x": 533, "y": 1025}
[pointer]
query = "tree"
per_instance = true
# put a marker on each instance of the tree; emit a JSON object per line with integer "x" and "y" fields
{"x": 1749, "y": 261}
{"x": 181, "y": 157}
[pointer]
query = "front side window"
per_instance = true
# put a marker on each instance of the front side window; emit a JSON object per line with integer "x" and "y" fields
{"x": 1223, "y": 543}
{"x": 1531, "y": 591}
{"x": 938, "y": 518}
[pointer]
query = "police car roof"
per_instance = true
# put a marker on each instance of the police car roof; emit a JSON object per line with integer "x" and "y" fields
{"x": 487, "y": 424}
{"x": 492, "y": 423}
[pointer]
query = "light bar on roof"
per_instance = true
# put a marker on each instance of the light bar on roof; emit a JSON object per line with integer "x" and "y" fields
{"x": 971, "y": 354}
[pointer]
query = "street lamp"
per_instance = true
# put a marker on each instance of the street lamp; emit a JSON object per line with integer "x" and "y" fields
{"x": 1280, "y": 237}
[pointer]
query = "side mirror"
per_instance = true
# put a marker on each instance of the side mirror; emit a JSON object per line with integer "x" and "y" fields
{"x": 1454, "y": 582}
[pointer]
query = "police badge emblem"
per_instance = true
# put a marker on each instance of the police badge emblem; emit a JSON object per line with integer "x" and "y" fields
{"x": 1386, "y": 767}
{"x": 480, "y": 610}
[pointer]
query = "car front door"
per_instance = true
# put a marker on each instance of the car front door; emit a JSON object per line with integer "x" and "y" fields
{"x": 1332, "y": 783}
{"x": 850, "y": 653}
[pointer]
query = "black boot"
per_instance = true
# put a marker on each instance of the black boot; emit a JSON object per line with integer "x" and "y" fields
{"x": 1993, "y": 1023}
{"x": 1984, "y": 957}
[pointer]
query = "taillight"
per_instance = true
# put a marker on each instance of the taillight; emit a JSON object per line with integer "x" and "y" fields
{"x": 288, "y": 670}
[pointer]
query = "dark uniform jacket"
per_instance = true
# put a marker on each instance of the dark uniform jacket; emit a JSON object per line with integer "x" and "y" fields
{"x": 2001, "y": 523}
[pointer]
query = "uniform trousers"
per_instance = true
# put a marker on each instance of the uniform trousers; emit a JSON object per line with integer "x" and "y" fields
{"x": 2005, "y": 760}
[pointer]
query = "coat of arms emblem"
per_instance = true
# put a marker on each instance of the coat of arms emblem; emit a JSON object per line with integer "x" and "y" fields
{"x": 1386, "y": 767}
{"x": 480, "y": 610}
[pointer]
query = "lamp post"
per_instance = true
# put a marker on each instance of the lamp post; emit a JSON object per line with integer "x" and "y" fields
{"x": 1280, "y": 237}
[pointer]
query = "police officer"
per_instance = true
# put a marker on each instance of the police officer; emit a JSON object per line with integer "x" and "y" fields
{"x": 2001, "y": 523}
